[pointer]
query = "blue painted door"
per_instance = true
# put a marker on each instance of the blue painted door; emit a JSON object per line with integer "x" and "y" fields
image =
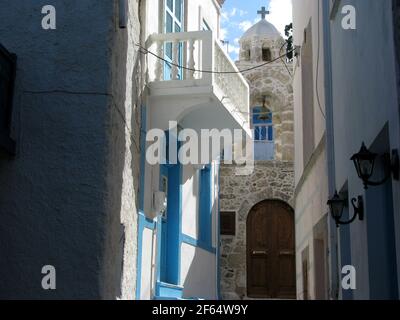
{"x": 170, "y": 183}
{"x": 173, "y": 23}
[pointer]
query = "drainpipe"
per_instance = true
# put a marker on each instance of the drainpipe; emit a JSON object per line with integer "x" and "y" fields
{"x": 330, "y": 151}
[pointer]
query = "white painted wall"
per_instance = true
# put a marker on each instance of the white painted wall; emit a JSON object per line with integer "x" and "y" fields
{"x": 190, "y": 201}
{"x": 365, "y": 99}
{"x": 206, "y": 10}
{"x": 303, "y": 12}
{"x": 311, "y": 179}
{"x": 198, "y": 269}
{"x": 148, "y": 255}
{"x": 310, "y": 209}
{"x": 198, "y": 272}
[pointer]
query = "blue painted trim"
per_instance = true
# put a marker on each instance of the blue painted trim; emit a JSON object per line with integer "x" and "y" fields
{"x": 159, "y": 241}
{"x": 168, "y": 291}
{"x": 218, "y": 251}
{"x": 142, "y": 220}
{"x": 197, "y": 243}
{"x": 171, "y": 249}
{"x": 205, "y": 207}
{"x": 180, "y": 220}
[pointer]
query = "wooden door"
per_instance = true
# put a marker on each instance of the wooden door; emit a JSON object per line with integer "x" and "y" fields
{"x": 271, "y": 269}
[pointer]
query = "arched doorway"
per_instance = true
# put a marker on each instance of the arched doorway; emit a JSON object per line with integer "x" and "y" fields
{"x": 271, "y": 270}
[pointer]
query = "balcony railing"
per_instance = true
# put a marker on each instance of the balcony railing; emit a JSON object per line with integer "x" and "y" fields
{"x": 197, "y": 59}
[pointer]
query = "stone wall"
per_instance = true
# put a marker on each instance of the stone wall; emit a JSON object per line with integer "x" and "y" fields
{"x": 270, "y": 180}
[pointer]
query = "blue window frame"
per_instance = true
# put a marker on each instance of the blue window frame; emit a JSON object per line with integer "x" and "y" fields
{"x": 262, "y": 124}
{"x": 173, "y": 23}
{"x": 205, "y": 26}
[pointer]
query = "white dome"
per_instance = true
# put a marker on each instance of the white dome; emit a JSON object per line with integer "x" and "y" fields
{"x": 262, "y": 28}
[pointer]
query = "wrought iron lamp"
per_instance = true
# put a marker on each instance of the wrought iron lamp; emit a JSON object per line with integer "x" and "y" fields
{"x": 337, "y": 205}
{"x": 364, "y": 161}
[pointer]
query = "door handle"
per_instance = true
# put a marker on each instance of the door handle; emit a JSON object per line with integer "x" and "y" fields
{"x": 286, "y": 253}
{"x": 260, "y": 252}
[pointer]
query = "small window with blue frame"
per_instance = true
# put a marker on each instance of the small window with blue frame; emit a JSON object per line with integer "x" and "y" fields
{"x": 262, "y": 124}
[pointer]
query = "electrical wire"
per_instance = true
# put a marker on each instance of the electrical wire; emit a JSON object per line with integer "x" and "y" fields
{"x": 208, "y": 71}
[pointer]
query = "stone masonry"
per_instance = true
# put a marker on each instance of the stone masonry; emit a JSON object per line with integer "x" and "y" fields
{"x": 270, "y": 180}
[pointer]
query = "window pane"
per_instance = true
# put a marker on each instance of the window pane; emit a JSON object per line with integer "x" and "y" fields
{"x": 178, "y": 10}
{"x": 270, "y": 133}
{"x": 177, "y": 28}
{"x": 170, "y": 4}
{"x": 257, "y": 133}
{"x": 169, "y": 23}
{"x": 168, "y": 50}
{"x": 263, "y": 133}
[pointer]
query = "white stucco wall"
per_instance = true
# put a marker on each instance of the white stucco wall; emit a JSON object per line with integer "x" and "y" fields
{"x": 310, "y": 209}
{"x": 148, "y": 256}
{"x": 311, "y": 179}
{"x": 196, "y": 264}
{"x": 198, "y": 272}
{"x": 303, "y": 12}
{"x": 365, "y": 100}
{"x": 190, "y": 201}
{"x": 199, "y": 10}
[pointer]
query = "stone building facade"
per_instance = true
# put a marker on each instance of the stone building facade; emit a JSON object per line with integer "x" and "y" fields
{"x": 271, "y": 87}
{"x": 270, "y": 180}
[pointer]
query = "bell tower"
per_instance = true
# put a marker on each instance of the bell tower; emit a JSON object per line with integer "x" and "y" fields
{"x": 271, "y": 94}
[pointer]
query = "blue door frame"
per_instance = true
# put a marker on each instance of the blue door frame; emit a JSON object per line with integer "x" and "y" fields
{"x": 169, "y": 233}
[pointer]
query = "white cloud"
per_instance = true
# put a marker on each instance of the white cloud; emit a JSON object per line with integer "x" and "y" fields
{"x": 242, "y": 13}
{"x": 234, "y": 52}
{"x": 281, "y": 14}
{"x": 234, "y": 49}
{"x": 224, "y": 15}
{"x": 245, "y": 25}
{"x": 223, "y": 33}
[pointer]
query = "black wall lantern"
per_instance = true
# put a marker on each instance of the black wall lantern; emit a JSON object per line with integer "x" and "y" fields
{"x": 364, "y": 161}
{"x": 337, "y": 205}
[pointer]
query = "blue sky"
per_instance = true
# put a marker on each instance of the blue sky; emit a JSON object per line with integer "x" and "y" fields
{"x": 239, "y": 15}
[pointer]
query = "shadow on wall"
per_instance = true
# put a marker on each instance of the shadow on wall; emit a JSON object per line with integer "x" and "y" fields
{"x": 200, "y": 281}
{"x": 61, "y": 197}
{"x": 124, "y": 169}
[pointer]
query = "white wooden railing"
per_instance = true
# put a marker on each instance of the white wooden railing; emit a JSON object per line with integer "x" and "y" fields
{"x": 202, "y": 59}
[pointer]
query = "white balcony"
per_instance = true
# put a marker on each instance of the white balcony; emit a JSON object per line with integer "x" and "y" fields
{"x": 215, "y": 100}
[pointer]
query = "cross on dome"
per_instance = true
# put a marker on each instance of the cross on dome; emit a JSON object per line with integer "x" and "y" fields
{"x": 263, "y": 12}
